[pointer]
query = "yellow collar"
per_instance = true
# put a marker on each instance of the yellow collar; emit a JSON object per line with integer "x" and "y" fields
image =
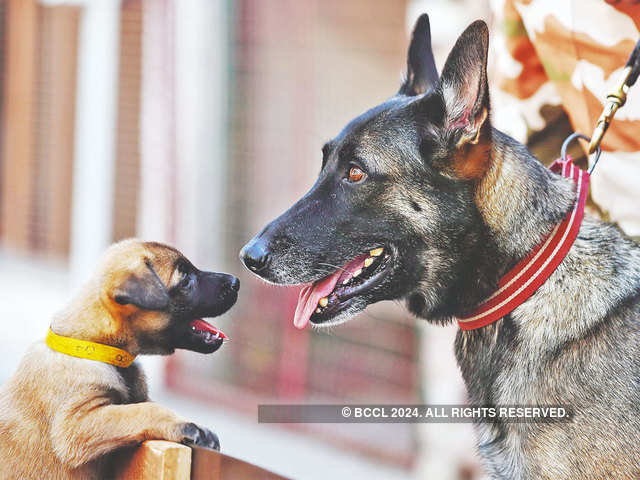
{"x": 90, "y": 350}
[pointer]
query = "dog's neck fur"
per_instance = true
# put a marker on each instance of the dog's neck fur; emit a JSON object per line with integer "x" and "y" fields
{"x": 519, "y": 199}
{"x": 584, "y": 307}
{"x": 81, "y": 316}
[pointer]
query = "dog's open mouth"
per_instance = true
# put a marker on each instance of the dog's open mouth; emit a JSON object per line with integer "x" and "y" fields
{"x": 206, "y": 333}
{"x": 190, "y": 328}
{"x": 323, "y": 299}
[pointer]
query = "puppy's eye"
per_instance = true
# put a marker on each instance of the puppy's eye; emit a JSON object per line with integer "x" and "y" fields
{"x": 356, "y": 174}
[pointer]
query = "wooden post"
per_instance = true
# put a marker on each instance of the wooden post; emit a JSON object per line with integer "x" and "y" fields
{"x": 161, "y": 460}
{"x": 18, "y": 126}
{"x": 158, "y": 460}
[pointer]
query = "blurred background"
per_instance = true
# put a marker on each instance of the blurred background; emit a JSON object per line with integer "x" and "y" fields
{"x": 195, "y": 122}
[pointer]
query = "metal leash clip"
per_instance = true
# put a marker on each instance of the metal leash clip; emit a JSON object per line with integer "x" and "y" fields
{"x": 616, "y": 98}
{"x": 573, "y": 136}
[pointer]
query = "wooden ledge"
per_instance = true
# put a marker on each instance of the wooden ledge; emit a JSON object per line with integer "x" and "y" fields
{"x": 162, "y": 460}
{"x": 157, "y": 459}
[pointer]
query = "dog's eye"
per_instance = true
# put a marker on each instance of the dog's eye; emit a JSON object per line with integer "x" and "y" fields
{"x": 356, "y": 174}
{"x": 187, "y": 281}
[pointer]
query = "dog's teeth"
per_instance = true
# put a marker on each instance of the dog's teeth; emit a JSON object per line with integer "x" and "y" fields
{"x": 323, "y": 302}
{"x": 368, "y": 262}
{"x": 346, "y": 280}
{"x": 193, "y": 329}
{"x": 376, "y": 252}
{"x": 357, "y": 272}
{"x": 217, "y": 335}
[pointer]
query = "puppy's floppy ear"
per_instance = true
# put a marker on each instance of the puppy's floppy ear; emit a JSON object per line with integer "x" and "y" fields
{"x": 463, "y": 84}
{"x": 144, "y": 289}
{"x": 422, "y": 74}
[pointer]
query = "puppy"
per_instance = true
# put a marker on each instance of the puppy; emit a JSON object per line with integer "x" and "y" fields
{"x": 73, "y": 401}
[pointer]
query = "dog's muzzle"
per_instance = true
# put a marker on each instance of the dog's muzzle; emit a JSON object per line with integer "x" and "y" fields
{"x": 255, "y": 255}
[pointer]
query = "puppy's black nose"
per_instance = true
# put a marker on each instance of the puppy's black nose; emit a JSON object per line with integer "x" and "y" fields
{"x": 255, "y": 255}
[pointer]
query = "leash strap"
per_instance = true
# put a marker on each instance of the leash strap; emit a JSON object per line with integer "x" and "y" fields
{"x": 90, "y": 350}
{"x": 528, "y": 275}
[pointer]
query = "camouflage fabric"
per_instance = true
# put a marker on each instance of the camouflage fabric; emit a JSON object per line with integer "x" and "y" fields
{"x": 572, "y": 53}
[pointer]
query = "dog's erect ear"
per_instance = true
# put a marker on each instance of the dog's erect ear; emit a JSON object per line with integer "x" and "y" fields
{"x": 463, "y": 84}
{"x": 422, "y": 74}
{"x": 144, "y": 290}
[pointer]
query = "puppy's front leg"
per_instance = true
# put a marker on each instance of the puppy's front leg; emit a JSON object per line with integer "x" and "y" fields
{"x": 88, "y": 431}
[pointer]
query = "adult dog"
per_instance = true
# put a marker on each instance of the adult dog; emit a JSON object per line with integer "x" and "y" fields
{"x": 420, "y": 198}
{"x": 77, "y": 398}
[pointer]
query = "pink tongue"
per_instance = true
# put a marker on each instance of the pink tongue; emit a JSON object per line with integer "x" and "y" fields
{"x": 311, "y": 294}
{"x": 203, "y": 326}
{"x": 309, "y": 297}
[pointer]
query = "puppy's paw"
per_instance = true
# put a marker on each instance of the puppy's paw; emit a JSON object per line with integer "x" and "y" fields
{"x": 192, "y": 434}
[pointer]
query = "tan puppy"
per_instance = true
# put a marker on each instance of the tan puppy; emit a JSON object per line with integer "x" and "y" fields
{"x": 61, "y": 416}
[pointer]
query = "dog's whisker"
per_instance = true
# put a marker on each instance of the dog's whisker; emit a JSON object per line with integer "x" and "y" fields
{"x": 333, "y": 266}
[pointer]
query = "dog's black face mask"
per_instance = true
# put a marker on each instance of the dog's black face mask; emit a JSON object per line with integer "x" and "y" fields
{"x": 392, "y": 212}
{"x": 199, "y": 295}
{"x": 172, "y": 315}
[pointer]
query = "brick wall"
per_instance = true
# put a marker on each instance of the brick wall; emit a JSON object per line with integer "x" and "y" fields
{"x": 39, "y": 70}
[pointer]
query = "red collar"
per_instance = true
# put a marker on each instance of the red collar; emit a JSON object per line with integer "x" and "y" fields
{"x": 526, "y": 277}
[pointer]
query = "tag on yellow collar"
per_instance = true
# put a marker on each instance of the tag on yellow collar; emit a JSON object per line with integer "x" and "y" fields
{"x": 90, "y": 350}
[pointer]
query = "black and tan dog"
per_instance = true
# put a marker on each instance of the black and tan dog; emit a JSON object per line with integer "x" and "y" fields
{"x": 420, "y": 198}
{"x": 61, "y": 415}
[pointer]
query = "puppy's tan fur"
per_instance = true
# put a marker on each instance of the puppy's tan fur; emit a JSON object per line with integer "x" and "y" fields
{"x": 60, "y": 415}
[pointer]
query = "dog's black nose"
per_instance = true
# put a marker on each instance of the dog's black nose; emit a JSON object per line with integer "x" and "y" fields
{"x": 255, "y": 255}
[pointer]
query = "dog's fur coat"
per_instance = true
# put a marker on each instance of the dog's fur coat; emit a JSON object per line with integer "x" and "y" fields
{"x": 456, "y": 203}
{"x": 63, "y": 417}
